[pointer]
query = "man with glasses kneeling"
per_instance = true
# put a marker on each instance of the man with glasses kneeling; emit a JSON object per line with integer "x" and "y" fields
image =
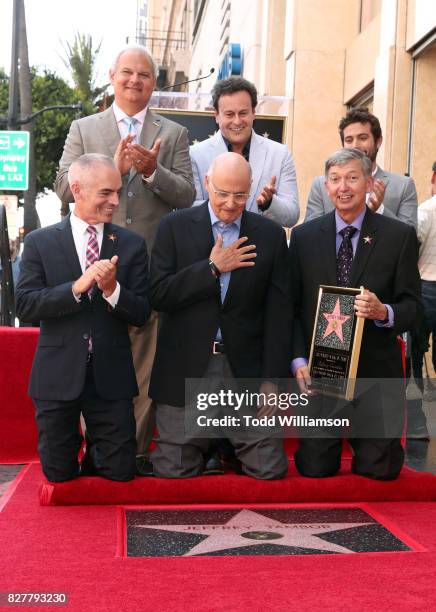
{"x": 219, "y": 276}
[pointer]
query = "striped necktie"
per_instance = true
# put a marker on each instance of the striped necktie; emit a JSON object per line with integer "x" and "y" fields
{"x": 92, "y": 251}
{"x": 92, "y": 255}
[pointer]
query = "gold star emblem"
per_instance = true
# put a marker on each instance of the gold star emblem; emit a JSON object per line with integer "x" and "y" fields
{"x": 367, "y": 239}
{"x": 265, "y": 135}
{"x": 112, "y": 237}
{"x": 195, "y": 141}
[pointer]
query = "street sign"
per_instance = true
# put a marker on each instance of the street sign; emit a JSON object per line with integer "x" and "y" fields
{"x": 14, "y": 161}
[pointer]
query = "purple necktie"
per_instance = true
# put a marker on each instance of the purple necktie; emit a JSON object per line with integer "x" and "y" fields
{"x": 345, "y": 256}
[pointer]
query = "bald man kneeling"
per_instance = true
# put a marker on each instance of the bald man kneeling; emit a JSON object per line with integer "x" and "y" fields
{"x": 219, "y": 277}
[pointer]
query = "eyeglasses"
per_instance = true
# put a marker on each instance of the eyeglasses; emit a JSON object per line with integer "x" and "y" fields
{"x": 223, "y": 196}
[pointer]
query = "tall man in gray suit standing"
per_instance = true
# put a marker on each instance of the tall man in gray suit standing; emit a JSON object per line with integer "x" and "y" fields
{"x": 152, "y": 156}
{"x": 274, "y": 188}
{"x": 392, "y": 195}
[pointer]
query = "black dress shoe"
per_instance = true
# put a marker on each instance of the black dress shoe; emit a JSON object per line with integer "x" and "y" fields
{"x": 233, "y": 463}
{"x": 144, "y": 467}
{"x": 213, "y": 465}
{"x": 87, "y": 467}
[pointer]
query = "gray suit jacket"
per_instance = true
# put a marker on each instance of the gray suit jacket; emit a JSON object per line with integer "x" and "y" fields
{"x": 141, "y": 204}
{"x": 267, "y": 158}
{"x": 400, "y": 199}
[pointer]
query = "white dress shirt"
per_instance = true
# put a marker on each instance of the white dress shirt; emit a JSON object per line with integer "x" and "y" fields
{"x": 123, "y": 127}
{"x": 80, "y": 237}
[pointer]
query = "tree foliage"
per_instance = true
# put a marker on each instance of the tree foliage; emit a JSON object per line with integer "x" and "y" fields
{"x": 80, "y": 59}
{"x": 51, "y": 127}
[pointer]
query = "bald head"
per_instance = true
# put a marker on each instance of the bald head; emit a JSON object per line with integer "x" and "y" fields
{"x": 231, "y": 163}
{"x": 228, "y": 183}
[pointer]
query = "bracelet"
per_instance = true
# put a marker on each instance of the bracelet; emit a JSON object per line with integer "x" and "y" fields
{"x": 214, "y": 269}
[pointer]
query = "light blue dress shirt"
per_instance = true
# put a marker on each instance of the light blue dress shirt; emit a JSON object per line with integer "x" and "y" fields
{"x": 230, "y": 233}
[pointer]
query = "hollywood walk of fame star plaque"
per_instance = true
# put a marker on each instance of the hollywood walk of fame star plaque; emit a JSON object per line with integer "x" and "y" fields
{"x": 337, "y": 335}
{"x": 253, "y": 531}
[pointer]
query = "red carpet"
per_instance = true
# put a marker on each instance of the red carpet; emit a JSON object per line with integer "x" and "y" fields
{"x": 73, "y": 550}
{"x": 17, "y": 420}
{"x": 346, "y": 487}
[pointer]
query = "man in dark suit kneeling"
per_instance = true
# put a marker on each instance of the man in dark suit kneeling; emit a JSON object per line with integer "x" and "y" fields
{"x": 85, "y": 280}
{"x": 352, "y": 247}
{"x": 220, "y": 278}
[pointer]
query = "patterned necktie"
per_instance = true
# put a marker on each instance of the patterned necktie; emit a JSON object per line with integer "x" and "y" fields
{"x": 92, "y": 255}
{"x": 131, "y": 122}
{"x": 92, "y": 252}
{"x": 345, "y": 256}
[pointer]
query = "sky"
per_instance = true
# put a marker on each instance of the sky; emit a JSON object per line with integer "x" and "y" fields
{"x": 52, "y": 22}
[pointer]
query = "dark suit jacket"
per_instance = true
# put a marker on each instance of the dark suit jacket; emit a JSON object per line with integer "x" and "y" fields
{"x": 254, "y": 318}
{"x": 49, "y": 267}
{"x": 387, "y": 266}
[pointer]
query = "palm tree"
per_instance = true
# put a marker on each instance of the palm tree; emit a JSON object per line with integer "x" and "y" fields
{"x": 81, "y": 59}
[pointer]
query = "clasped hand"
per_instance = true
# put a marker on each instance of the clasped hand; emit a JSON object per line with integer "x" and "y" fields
{"x": 267, "y": 193}
{"x": 129, "y": 155}
{"x": 375, "y": 199}
{"x": 103, "y": 273}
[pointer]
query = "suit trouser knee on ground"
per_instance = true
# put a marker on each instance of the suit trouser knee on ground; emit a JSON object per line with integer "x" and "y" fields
{"x": 180, "y": 453}
{"x": 111, "y": 430}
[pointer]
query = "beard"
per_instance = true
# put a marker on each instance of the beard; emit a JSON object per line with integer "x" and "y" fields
{"x": 372, "y": 154}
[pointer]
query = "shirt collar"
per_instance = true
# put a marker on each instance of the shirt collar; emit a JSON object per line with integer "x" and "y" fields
{"x": 245, "y": 150}
{"x": 214, "y": 219}
{"x": 357, "y": 223}
{"x": 79, "y": 225}
{"x": 120, "y": 114}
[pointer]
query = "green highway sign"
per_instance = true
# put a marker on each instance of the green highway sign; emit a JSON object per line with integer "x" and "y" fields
{"x": 14, "y": 161}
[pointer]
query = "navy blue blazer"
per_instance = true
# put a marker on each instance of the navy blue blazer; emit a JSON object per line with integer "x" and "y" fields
{"x": 49, "y": 267}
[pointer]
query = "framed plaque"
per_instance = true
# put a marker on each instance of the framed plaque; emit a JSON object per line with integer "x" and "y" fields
{"x": 336, "y": 340}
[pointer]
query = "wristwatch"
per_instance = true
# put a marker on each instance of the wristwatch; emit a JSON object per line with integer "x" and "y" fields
{"x": 214, "y": 269}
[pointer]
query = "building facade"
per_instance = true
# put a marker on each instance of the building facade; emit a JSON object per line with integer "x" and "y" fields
{"x": 322, "y": 56}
